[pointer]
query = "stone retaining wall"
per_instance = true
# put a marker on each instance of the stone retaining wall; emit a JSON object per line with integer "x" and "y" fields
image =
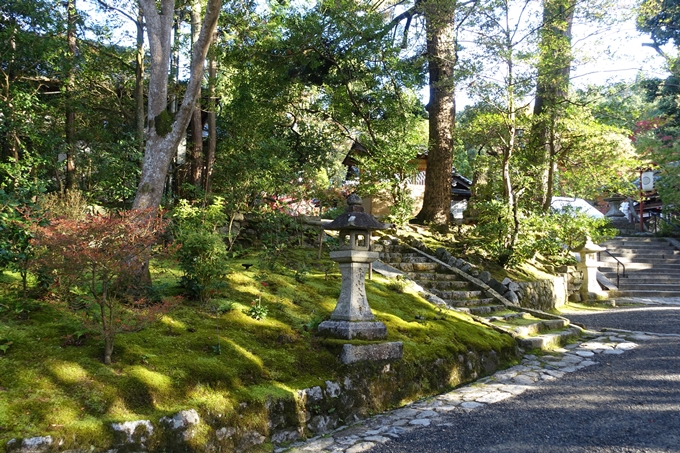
{"x": 364, "y": 389}
{"x": 550, "y": 293}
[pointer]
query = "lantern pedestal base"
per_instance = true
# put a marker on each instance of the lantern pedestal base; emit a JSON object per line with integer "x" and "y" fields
{"x": 371, "y": 352}
{"x": 348, "y": 330}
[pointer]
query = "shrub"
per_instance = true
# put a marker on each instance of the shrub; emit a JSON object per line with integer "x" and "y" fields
{"x": 553, "y": 235}
{"x": 69, "y": 205}
{"x": 202, "y": 253}
{"x": 96, "y": 253}
{"x": 203, "y": 259}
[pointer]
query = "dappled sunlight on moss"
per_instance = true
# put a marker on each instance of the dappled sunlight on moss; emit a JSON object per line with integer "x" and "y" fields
{"x": 244, "y": 352}
{"x": 172, "y": 323}
{"x": 194, "y": 358}
{"x": 68, "y": 372}
{"x": 216, "y": 401}
{"x": 119, "y": 411}
{"x": 152, "y": 379}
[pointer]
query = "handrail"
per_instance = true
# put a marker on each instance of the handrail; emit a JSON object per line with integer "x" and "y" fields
{"x": 658, "y": 216}
{"x": 617, "y": 266}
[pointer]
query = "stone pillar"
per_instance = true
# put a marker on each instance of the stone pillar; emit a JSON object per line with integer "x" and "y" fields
{"x": 590, "y": 288}
{"x": 352, "y": 317}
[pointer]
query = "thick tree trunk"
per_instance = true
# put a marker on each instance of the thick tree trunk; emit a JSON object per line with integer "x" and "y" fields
{"x": 552, "y": 90}
{"x": 196, "y": 121}
{"x": 163, "y": 132}
{"x": 139, "y": 82}
{"x": 70, "y": 110}
{"x": 441, "y": 51}
{"x": 212, "y": 123}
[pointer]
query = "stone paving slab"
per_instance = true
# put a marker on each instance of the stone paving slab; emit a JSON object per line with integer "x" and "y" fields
{"x": 503, "y": 385}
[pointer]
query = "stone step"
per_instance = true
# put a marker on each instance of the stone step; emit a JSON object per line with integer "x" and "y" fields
{"x": 625, "y": 285}
{"x": 444, "y": 285}
{"x": 451, "y": 295}
{"x": 636, "y": 240}
{"x": 550, "y": 340}
{"x": 647, "y": 294}
{"x": 606, "y": 266}
{"x": 481, "y": 310}
{"x": 641, "y": 247}
{"x": 658, "y": 258}
{"x": 468, "y": 303}
{"x": 645, "y": 278}
{"x": 422, "y": 277}
{"x": 509, "y": 316}
{"x": 415, "y": 267}
{"x": 540, "y": 327}
{"x": 649, "y": 254}
{"x": 641, "y": 271}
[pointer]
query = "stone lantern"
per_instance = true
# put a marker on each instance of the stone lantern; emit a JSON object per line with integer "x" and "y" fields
{"x": 590, "y": 288}
{"x": 615, "y": 206}
{"x": 352, "y": 317}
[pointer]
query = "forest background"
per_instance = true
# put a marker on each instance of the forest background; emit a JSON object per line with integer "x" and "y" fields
{"x": 224, "y": 114}
{"x": 253, "y": 102}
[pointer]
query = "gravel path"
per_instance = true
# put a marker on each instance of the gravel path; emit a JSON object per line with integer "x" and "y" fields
{"x": 655, "y": 317}
{"x": 625, "y": 403}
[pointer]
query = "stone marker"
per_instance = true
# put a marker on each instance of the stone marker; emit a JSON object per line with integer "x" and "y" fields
{"x": 352, "y": 317}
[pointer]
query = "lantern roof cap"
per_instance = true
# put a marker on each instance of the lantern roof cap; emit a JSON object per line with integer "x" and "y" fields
{"x": 589, "y": 247}
{"x": 354, "y": 218}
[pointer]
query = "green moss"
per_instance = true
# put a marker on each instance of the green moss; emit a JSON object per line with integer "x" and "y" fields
{"x": 163, "y": 123}
{"x": 192, "y": 358}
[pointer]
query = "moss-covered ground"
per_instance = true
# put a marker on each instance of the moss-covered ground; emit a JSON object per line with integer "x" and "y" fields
{"x": 53, "y": 380}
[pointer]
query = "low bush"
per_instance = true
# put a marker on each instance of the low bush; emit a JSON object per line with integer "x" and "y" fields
{"x": 201, "y": 250}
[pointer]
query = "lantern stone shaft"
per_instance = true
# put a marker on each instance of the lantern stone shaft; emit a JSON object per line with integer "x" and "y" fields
{"x": 352, "y": 317}
{"x": 588, "y": 264}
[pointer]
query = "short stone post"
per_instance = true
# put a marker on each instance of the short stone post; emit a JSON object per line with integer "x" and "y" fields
{"x": 590, "y": 288}
{"x": 352, "y": 317}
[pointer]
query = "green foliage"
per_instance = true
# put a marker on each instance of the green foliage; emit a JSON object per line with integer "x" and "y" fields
{"x": 191, "y": 216}
{"x": 279, "y": 232}
{"x": 493, "y": 231}
{"x": 397, "y": 284}
{"x": 257, "y": 310}
{"x": 660, "y": 19}
{"x": 71, "y": 205}
{"x": 223, "y": 307}
{"x": 553, "y": 235}
{"x": 5, "y": 344}
{"x": 202, "y": 253}
{"x": 16, "y": 223}
{"x": 203, "y": 258}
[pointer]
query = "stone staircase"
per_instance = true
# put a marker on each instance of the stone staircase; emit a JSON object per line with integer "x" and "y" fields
{"x": 652, "y": 266}
{"x": 445, "y": 285}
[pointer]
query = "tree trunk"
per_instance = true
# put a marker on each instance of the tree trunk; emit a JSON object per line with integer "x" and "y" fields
{"x": 441, "y": 54}
{"x": 70, "y": 87}
{"x": 212, "y": 123}
{"x": 196, "y": 121}
{"x": 163, "y": 132}
{"x": 552, "y": 90}
{"x": 139, "y": 82}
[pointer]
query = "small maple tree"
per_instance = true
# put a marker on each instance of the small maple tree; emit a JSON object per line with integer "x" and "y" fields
{"x": 100, "y": 254}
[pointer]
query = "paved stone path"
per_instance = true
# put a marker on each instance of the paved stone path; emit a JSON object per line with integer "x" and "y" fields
{"x": 503, "y": 385}
{"x": 376, "y": 432}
